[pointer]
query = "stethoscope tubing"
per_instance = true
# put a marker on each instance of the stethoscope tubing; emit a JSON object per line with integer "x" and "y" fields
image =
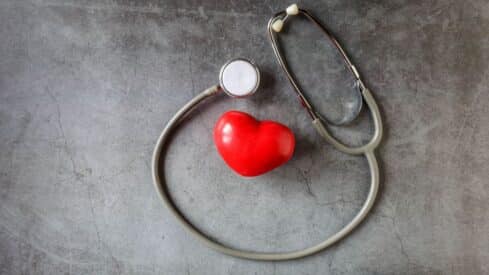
{"x": 162, "y": 189}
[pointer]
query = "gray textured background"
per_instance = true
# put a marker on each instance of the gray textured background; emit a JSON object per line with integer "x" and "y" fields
{"x": 87, "y": 86}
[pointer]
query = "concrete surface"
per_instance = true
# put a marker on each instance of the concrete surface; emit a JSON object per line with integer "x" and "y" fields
{"x": 87, "y": 86}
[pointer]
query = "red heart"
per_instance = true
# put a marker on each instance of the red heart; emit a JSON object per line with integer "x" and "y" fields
{"x": 252, "y": 147}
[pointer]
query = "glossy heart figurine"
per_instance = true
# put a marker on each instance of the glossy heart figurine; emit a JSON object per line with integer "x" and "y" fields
{"x": 252, "y": 147}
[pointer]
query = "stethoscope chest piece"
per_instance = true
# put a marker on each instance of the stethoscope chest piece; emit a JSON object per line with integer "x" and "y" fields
{"x": 239, "y": 77}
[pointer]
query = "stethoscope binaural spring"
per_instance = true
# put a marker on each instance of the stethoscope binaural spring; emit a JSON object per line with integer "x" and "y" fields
{"x": 238, "y": 67}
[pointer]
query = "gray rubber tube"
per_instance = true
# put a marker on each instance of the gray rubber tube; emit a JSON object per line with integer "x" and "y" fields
{"x": 161, "y": 187}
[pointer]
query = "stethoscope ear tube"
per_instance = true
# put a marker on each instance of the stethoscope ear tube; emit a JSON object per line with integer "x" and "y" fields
{"x": 374, "y": 141}
{"x": 318, "y": 123}
{"x": 275, "y": 25}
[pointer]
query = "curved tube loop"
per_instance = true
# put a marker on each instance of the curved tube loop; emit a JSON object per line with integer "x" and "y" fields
{"x": 160, "y": 184}
{"x": 371, "y": 145}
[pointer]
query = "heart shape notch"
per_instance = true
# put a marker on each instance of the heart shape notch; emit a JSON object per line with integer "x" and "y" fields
{"x": 252, "y": 147}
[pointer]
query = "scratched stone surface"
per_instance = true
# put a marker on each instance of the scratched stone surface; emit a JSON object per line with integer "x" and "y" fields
{"x": 87, "y": 86}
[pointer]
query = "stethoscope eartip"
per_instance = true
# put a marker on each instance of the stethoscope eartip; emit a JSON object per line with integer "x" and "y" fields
{"x": 292, "y": 9}
{"x": 278, "y": 24}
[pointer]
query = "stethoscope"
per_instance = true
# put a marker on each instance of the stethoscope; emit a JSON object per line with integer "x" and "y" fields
{"x": 232, "y": 82}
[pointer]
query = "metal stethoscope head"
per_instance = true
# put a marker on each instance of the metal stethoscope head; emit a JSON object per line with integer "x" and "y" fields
{"x": 239, "y": 77}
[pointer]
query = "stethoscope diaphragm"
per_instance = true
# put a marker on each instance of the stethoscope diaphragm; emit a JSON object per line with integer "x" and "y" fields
{"x": 239, "y": 77}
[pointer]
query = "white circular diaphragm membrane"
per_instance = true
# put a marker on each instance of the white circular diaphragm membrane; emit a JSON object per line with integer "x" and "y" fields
{"x": 239, "y": 77}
